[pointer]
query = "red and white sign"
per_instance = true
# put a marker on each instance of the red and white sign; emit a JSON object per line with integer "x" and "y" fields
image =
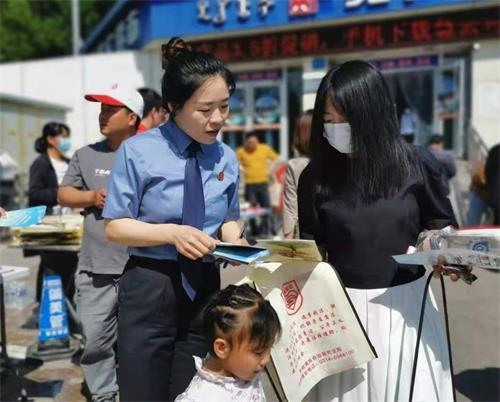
{"x": 297, "y": 8}
{"x": 292, "y": 297}
{"x": 321, "y": 333}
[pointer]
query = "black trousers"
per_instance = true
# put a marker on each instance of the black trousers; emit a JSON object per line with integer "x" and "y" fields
{"x": 159, "y": 329}
{"x": 258, "y": 194}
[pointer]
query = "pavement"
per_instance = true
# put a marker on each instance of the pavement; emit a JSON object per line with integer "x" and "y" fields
{"x": 473, "y": 314}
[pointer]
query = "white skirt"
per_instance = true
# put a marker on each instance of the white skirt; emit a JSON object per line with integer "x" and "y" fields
{"x": 390, "y": 317}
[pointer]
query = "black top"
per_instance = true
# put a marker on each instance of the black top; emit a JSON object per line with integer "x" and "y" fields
{"x": 360, "y": 238}
{"x": 492, "y": 174}
{"x": 42, "y": 183}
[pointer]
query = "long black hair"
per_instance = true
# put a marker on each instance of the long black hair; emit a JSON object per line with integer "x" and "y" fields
{"x": 240, "y": 312}
{"x": 381, "y": 160}
{"x": 51, "y": 129}
{"x": 186, "y": 71}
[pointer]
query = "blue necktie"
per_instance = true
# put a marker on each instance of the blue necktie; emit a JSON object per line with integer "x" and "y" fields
{"x": 193, "y": 214}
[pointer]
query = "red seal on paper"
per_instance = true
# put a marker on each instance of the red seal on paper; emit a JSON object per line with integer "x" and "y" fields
{"x": 292, "y": 297}
{"x": 220, "y": 176}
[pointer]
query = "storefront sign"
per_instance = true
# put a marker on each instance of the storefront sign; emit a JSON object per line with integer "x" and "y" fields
{"x": 406, "y": 62}
{"x": 262, "y": 75}
{"x": 349, "y": 4}
{"x": 459, "y": 26}
{"x": 244, "y": 7}
{"x": 297, "y": 8}
{"x": 134, "y": 24}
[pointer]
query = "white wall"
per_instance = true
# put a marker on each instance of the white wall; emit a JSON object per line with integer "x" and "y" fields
{"x": 486, "y": 91}
{"x": 65, "y": 80}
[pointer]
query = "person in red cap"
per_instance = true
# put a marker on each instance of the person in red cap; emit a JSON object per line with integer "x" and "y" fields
{"x": 100, "y": 262}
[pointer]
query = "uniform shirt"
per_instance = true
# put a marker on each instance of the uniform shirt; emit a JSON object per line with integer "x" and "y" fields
{"x": 89, "y": 170}
{"x": 256, "y": 163}
{"x": 147, "y": 183}
{"x": 209, "y": 387}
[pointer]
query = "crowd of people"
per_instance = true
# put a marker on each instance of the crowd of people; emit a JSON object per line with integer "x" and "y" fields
{"x": 159, "y": 191}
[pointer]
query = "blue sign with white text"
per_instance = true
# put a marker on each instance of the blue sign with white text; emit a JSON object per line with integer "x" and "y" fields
{"x": 53, "y": 319}
{"x": 135, "y": 24}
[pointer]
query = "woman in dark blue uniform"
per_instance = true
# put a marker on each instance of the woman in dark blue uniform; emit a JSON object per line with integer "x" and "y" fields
{"x": 173, "y": 191}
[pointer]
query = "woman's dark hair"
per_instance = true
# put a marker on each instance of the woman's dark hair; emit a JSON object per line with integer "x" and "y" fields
{"x": 186, "y": 71}
{"x": 241, "y": 312}
{"x": 51, "y": 129}
{"x": 300, "y": 143}
{"x": 381, "y": 160}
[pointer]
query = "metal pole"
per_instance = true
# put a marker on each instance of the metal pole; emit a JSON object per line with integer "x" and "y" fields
{"x": 75, "y": 26}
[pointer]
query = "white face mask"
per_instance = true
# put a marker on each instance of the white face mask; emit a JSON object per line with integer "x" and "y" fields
{"x": 338, "y": 136}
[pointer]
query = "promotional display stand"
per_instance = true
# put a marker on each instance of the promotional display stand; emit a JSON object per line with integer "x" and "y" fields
{"x": 54, "y": 341}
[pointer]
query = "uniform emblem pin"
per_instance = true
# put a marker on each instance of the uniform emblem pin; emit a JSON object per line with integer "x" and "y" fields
{"x": 220, "y": 176}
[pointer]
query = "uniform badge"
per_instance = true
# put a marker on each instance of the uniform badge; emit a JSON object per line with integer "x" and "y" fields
{"x": 220, "y": 176}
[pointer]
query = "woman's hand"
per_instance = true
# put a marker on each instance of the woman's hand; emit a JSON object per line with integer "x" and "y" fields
{"x": 3, "y": 212}
{"x": 192, "y": 243}
{"x": 455, "y": 272}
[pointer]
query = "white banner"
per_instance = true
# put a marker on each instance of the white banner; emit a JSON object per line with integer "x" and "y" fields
{"x": 321, "y": 332}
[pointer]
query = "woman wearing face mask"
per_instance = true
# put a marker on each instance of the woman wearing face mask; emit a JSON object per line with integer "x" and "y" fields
{"x": 46, "y": 173}
{"x": 173, "y": 191}
{"x": 365, "y": 196}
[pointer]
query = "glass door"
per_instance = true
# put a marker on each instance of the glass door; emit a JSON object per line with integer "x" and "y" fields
{"x": 449, "y": 118}
{"x": 260, "y": 107}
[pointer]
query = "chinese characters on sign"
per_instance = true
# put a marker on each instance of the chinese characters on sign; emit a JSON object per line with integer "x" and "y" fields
{"x": 309, "y": 327}
{"x": 53, "y": 319}
{"x": 458, "y": 26}
{"x": 219, "y": 17}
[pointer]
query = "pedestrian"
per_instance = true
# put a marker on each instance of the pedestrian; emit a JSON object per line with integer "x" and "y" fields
{"x": 240, "y": 327}
{"x": 173, "y": 190}
{"x": 154, "y": 112}
{"x": 257, "y": 162}
{"x": 478, "y": 194}
{"x": 295, "y": 166}
{"x": 101, "y": 262}
{"x": 445, "y": 159}
{"x": 492, "y": 176}
{"x": 365, "y": 196}
{"x": 408, "y": 125}
{"x": 45, "y": 176}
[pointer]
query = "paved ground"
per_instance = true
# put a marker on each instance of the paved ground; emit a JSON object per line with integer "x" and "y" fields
{"x": 474, "y": 319}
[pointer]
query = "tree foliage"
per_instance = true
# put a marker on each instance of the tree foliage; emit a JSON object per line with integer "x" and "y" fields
{"x": 33, "y": 29}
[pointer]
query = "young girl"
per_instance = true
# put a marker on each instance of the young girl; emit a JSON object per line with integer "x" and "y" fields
{"x": 240, "y": 328}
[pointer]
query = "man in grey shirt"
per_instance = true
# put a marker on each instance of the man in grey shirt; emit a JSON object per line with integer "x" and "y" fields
{"x": 101, "y": 263}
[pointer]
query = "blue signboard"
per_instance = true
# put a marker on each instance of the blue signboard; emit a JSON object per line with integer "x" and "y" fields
{"x": 132, "y": 25}
{"x": 406, "y": 62}
{"x": 53, "y": 320}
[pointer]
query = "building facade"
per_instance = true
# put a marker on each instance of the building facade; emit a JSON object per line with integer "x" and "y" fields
{"x": 430, "y": 52}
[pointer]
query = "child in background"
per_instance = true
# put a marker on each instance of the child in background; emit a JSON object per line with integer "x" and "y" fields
{"x": 240, "y": 328}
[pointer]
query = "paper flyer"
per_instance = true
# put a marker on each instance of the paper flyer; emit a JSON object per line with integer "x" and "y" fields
{"x": 22, "y": 218}
{"x": 452, "y": 256}
{"x": 288, "y": 250}
{"x": 239, "y": 252}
